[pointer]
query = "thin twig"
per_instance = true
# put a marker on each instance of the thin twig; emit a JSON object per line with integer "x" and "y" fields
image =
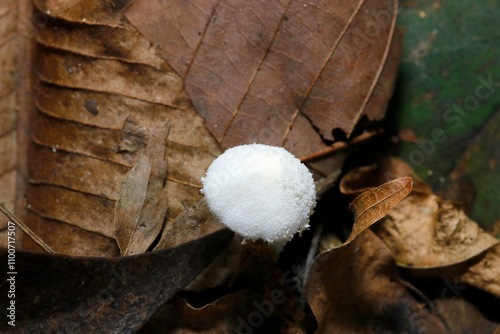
{"x": 340, "y": 145}
{"x": 25, "y": 229}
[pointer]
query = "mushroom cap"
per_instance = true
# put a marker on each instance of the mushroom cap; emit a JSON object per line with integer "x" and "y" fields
{"x": 260, "y": 192}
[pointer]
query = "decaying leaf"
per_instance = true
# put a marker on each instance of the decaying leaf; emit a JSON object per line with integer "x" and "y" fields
{"x": 349, "y": 290}
{"x": 463, "y": 316}
{"x": 485, "y": 274}
{"x": 257, "y": 287}
{"x": 103, "y": 295}
{"x": 477, "y": 175}
{"x": 196, "y": 222}
{"x": 102, "y": 149}
{"x": 141, "y": 210}
{"x": 423, "y": 231}
{"x": 179, "y": 317}
{"x": 277, "y": 72}
{"x": 9, "y": 13}
{"x": 193, "y": 223}
{"x": 356, "y": 289}
{"x": 338, "y": 264}
{"x": 104, "y": 96}
{"x": 372, "y": 205}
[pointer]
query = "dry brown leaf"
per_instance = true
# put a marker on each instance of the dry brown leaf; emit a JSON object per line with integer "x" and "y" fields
{"x": 425, "y": 233}
{"x": 93, "y": 12}
{"x": 193, "y": 223}
{"x": 179, "y": 317}
{"x": 67, "y": 294}
{"x": 243, "y": 297}
{"x": 349, "y": 290}
{"x": 374, "y": 204}
{"x": 103, "y": 97}
{"x": 277, "y": 72}
{"x": 9, "y": 13}
{"x": 356, "y": 289}
{"x": 141, "y": 210}
{"x": 422, "y": 231}
{"x": 485, "y": 274}
{"x": 339, "y": 263}
{"x": 465, "y": 317}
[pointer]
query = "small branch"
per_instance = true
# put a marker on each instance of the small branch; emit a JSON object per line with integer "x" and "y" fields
{"x": 340, "y": 145}
{"x": 25, "y": 229}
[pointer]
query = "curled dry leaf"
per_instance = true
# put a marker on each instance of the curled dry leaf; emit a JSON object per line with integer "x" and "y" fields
{"x": 423, "y": 231}
{"x": 274, "y": 72}
{"x": 104, "y": 295}
{"x": 478, "y": 175}
{"x": 374, "y": 204}
{"x": 104, "y": 97}
{"x": 356, "y": 289}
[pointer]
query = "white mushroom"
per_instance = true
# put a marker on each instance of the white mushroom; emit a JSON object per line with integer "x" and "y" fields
{"x": 260, "y": 192}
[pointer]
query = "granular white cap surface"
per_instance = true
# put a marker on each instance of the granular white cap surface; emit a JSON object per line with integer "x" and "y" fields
{"x": 260, "y": 192}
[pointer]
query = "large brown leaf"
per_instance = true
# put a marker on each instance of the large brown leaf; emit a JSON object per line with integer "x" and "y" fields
{"x": 9, "y": 13}
{"x": 104, "y": 99}
{"x": 278, "y": 72}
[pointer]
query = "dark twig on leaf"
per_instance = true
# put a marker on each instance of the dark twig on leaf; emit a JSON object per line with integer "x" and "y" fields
{"x": 340, "y": 145}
